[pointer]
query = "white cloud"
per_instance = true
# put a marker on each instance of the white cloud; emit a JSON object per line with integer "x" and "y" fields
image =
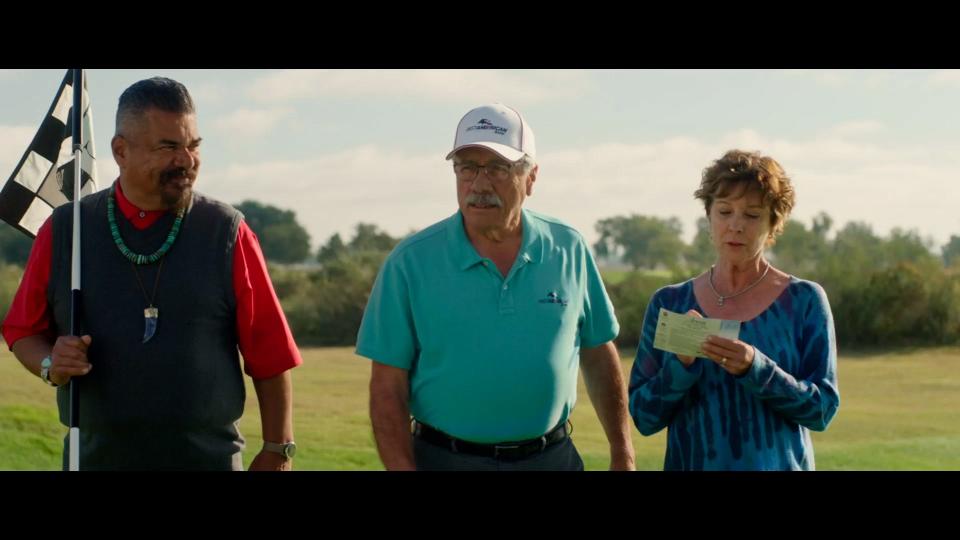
{"x": 949, "y": 77}
{"x": 250, "y": 123}
{"x": 333, "y": 192}
{"x": 208, "y": 93}
{"x": 857, "y": 127}
{"x": 107, "y": 170}
{"x": 845, "y": 78}
{"x": 13, "y": 143}
{"x": 824, "y": 77}
{"x": 912, "y": 187}
{"x": 519, "y": 87}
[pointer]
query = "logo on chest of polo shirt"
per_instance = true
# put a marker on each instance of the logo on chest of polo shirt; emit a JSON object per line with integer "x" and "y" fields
{"x": 553, "y": 297}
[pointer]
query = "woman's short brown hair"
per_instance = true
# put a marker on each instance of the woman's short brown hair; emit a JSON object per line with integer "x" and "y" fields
{"x": 741, "y": 172}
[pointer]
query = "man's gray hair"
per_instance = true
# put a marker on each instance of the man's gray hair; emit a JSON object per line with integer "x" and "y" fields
{"x": 525, "y": 165}
{"x": 156, "y": 93}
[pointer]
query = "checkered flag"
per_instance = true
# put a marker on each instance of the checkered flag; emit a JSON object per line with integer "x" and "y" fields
{"x": 43, "y": 179}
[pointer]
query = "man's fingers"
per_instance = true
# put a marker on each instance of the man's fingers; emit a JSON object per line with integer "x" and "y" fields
{"x": 64, "y": 354}
{"x": 73, "y": 371}
{"x": 65, "y": 362}
{"x": 72, "y": 343}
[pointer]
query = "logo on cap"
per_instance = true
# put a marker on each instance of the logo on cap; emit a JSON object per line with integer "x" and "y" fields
{"x": 483, "y": 123}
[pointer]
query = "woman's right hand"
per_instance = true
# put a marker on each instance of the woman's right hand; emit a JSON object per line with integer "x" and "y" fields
{"x": 688, "y": 360}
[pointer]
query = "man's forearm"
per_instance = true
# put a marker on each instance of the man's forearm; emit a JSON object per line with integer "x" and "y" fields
{"x": 390, "y": 416}
{"x": 31, "y": 350}
{"x": 605, "y": 384}
{"x": 275, "y": 396}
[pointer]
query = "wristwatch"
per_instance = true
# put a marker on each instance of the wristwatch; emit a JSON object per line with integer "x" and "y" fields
{"x": 45, "y": 370}
{"x": 287, "y": 450}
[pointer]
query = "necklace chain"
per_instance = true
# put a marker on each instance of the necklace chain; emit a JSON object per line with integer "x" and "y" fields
{"x": 721, "y": 298}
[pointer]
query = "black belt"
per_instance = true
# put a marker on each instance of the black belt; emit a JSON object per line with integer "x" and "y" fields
{"x": 504, "y": 451}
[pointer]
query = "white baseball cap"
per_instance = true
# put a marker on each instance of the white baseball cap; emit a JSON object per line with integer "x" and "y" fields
{"x": 498, "y": 128}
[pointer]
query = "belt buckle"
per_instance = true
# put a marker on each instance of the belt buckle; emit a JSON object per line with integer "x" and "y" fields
{"x": 498, "y": 447}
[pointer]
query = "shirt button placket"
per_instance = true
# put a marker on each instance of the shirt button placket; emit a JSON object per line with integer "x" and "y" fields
{"x": 506, "y": 299}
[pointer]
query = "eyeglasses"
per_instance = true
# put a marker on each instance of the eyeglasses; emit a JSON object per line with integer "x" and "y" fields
{"x": 496, "y": 172}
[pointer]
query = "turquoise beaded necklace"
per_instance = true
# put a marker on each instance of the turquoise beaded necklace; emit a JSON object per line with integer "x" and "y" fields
{"x": 137, "y": 258}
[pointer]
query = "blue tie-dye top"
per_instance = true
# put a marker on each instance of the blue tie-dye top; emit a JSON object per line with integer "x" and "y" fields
{"x": 757, "y": 421}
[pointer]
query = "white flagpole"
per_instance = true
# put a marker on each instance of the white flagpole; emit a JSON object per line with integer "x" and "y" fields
{"x": 74, "y": 450}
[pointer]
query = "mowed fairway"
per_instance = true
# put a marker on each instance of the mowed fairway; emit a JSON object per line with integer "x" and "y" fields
{"x": 898, "y": 411}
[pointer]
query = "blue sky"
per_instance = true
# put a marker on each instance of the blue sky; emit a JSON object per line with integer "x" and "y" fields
{"x": 344, "y": 146}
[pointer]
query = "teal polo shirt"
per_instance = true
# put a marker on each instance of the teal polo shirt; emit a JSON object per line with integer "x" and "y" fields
{"x": 490, "y": 359}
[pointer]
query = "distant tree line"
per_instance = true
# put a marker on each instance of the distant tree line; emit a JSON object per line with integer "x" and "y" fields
{"x": 884, "y": 291}
{"x": 891, "y": 290}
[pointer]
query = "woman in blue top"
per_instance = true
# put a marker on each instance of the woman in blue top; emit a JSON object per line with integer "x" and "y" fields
{"x": 749, "y": 403}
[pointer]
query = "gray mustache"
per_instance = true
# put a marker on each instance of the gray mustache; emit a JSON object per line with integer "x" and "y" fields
{"x": 485, "y": 199}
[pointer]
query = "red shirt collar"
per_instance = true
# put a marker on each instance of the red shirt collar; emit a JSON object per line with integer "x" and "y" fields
{"x": 141, "y": 219}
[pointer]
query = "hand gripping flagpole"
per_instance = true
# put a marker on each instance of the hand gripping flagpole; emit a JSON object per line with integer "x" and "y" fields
{"x": 74, "y": 449}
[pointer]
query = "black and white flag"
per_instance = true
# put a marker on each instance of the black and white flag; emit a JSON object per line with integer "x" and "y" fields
{"x": 43, "y": 179}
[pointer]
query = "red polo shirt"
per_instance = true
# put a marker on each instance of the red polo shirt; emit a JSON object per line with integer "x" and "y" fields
{"x": 265, "y": 340}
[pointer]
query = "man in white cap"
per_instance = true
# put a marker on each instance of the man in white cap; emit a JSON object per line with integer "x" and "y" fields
{"x": 477, "y": 325}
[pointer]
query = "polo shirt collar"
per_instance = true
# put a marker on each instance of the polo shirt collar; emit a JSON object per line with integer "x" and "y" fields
{"x": 466, "y": 256}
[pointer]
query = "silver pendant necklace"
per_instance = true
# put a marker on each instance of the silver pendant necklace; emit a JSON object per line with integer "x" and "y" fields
{"x": 721, "y": 298}
{"x": 151, "y": 314}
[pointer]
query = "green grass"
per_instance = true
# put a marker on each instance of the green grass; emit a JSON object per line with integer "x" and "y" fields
{"x": 31, "y": 438}
{"x": 898, "y": 411}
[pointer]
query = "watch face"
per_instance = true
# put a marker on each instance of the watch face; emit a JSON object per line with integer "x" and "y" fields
{"x": 45, "y": 365}
{"x": 289, "y": 450}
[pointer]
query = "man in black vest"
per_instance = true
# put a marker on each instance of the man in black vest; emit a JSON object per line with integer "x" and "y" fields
{"x": 174, "y": 283}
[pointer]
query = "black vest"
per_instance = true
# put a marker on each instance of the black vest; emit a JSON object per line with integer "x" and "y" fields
{"x": 173, "y": 402}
